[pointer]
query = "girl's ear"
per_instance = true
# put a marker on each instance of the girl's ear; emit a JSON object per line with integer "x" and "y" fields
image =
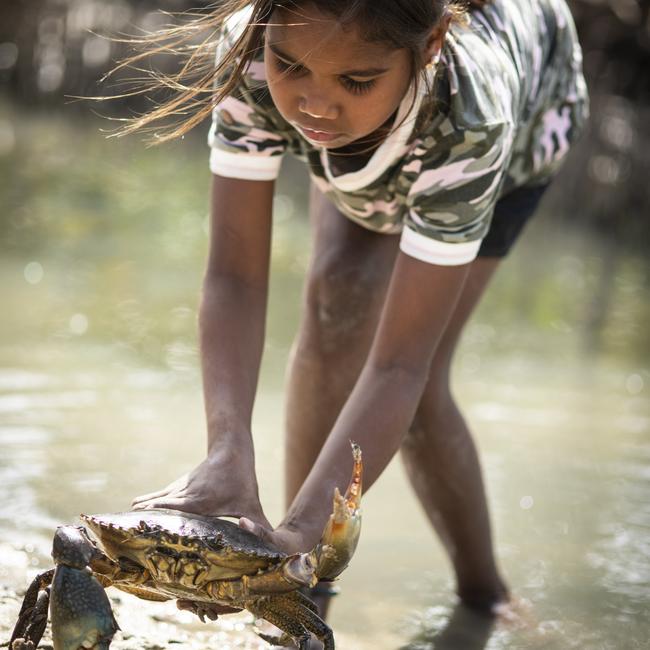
{"x": 436, "y": 39}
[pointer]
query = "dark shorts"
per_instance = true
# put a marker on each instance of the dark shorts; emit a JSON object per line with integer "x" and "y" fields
{"x": 511, "y": 214}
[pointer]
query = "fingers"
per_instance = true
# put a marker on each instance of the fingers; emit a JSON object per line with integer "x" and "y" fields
{"x": 148, "y": 497}
{"x": 289, "y": 541}
{"x": 163, "y": 500}
{"x": 172, "y": 487}
{"x": 247, "y": 524}
{"x": 169, "y": 503}
{"x": 185, "y": 504}
{"x": 255, "y": 518}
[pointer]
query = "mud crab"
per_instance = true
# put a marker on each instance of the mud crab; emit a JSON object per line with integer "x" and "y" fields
{"x": 168, "y": 554}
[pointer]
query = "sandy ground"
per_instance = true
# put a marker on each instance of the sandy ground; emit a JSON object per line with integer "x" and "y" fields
{"x": 153, "y": 626}
{"x": 144, "y": 625}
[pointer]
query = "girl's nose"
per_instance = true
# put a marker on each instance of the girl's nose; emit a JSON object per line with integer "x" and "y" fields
{"x": 317, "y": 107}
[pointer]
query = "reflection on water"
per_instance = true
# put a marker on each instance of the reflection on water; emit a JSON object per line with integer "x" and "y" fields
{"x": 100, "y": 400}
{"x": 455, "y": 628}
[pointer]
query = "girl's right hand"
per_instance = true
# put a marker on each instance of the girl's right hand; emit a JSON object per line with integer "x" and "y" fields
{"x": 222, "y": 485}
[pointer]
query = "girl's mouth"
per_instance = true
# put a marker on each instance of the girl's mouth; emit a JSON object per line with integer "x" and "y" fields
{"x": 318, "y": 137}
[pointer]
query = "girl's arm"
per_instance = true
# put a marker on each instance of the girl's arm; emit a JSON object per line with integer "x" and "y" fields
{"x": 233, "y": 305}
{"x": 231, "y": 325}
{"x": 380, "y": 409}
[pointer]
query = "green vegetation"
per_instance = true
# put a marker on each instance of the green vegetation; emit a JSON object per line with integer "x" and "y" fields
{"x": 115, "y": 234}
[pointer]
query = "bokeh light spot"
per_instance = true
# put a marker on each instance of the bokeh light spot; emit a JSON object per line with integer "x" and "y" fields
{"x": 634, "y": 384}
{"x": 8, "y": 55}
{"x": 526, "y": 503}
{"x": 34, "y": 273}
{"x": 79, "y": 324}
{"x": 7, "y": 137}
{"x": 96, "y": 51}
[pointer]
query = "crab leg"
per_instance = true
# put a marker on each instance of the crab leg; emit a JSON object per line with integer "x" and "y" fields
{"x": 341, "y": 534}
{"x": 306, "y": 613}
{"x": 290, "y": 614}
{"x": 284, "y": 621}
{"x": 294, "y": 571}
{"x": 32, "y": 618}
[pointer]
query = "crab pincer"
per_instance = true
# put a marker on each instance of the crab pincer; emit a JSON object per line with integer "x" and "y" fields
{"x": 341, "y": 534}
{"x": 79, "y": 608}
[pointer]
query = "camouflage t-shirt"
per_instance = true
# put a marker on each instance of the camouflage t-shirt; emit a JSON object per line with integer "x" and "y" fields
{"x": 509, "y": 100}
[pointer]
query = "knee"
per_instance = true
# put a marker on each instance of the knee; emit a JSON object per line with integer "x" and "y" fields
{"x": 436, "y": 410}
{"x": 341, "y": 303}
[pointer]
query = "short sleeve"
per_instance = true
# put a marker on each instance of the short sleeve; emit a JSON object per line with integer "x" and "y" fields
{"x": 247, "y": 136}
{"x": 243, "y": 143}
{"x": 458, "y": 177}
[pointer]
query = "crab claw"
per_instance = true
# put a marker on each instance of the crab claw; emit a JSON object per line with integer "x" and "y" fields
{"x": 79, "y": 608}
{"x": 80, "y": 612}
{"x": 341, "y": 533}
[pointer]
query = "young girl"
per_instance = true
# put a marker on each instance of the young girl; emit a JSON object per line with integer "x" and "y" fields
{"x": 430, "y": 135}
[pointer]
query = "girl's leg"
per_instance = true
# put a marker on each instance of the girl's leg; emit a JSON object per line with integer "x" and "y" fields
{"x": 345, "y": 288}
{"x": 346, "y": 283}
{"x": 442, "y": 464}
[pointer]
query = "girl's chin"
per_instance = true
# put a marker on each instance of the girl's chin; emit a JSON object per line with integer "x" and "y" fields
{"x": 336, "y": 146}
{"x": 330, "y": 146}
{"x": 352, "y": 146}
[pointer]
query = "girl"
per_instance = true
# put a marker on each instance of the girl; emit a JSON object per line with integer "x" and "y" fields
{"x": 430, "y": 135}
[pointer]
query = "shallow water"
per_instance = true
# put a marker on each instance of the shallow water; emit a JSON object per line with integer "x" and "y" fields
{"x": 100, "y": 400}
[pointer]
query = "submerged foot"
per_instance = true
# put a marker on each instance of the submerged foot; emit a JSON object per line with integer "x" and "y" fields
{"x": 499, "y": 604}
{"x": 516, "y": 613}
{"x": 485, "y": 601}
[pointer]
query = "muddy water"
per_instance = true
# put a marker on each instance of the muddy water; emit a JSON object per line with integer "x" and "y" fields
{"x": 100, "y": 401}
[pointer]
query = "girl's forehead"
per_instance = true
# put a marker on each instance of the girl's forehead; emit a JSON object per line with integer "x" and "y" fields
{"x": 306, "y": 33}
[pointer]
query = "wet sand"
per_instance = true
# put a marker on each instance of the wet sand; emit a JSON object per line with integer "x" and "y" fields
{"x": 152, "y": 626}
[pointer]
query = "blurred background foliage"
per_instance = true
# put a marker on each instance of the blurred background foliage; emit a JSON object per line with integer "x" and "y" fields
{"x": 59, "y": 181}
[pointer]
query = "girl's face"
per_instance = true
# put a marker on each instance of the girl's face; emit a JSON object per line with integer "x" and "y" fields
{"x": 327, "y": 81}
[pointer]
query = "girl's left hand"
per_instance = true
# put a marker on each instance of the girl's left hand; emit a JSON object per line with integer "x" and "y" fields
{"x": 289, "y": 540}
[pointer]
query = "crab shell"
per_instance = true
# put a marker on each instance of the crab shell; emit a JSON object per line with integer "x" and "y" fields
{"x": 184, "y": 554}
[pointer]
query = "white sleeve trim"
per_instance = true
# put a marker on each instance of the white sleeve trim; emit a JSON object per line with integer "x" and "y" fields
{"x": 246, "y": 166}
{"x": 434, "y": 251}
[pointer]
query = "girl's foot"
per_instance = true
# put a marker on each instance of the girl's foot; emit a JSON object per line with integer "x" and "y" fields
{"x": 485, "y": 600}
{"x": 501, "y": 605}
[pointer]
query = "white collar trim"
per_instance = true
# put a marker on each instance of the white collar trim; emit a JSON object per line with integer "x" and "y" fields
{"x": 385, "y": 154}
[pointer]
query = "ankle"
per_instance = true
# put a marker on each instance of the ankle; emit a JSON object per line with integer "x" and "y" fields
{"x": 484, "y": 598}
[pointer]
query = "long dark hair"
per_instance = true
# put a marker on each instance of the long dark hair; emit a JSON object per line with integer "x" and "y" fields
{"x": 199, "y": 84}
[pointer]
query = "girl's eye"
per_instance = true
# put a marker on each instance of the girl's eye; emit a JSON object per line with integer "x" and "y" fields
{"x": 352, "y": 85}
{"x": 357, "y": 87}
{"x": 288, "y": 68}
